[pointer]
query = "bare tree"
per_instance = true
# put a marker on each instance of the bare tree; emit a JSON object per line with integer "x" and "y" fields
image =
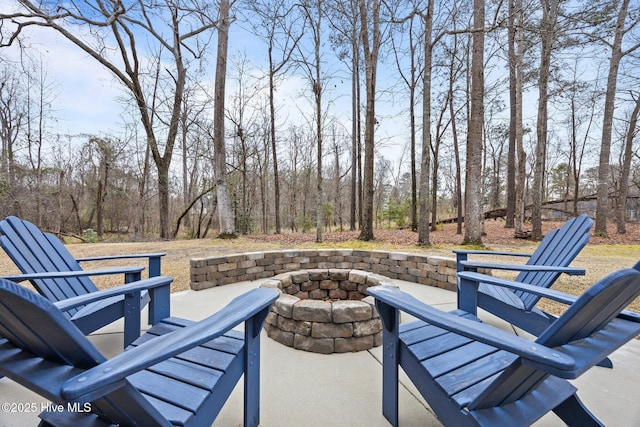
{"x": 514, "y": 68}
{"x": 187, "y": 29}
{"x": 245, "y": 131}
{"x": 40, "y": 92}
{"x": 625, "y": 172}
{"x": 582, "y": 114}
{"x": 313, "y": 69}
{"x": 425, "y": 162}
{"x": 13, "y": 115}
{"x": 105, "y": 153}
{"x": 521, "y": 155}
{"x": 279, "y": 25}
{"x": 550, "y": 11}
{"x": 411, "y": 79}
{"x": 456, "y": 68}
{"x": 345, "y": 20}
{"x": 225, "y": 214}
{"x": 617, "y": 53}
{"x": 473, "y": 171}
{"x": 442, "y": 124}
{"x": 191, "y": 123}
{"x": 371, "y": 41}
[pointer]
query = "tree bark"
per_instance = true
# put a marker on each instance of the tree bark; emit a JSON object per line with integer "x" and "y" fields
{"x": 623, "y": 191}
{"x": 225, "y": 214}
{"x": 521, "y": 157}
{"x": 355, "y": 130}
{"x": 473, "y": 170}
{"x": 602, "y": 204}
{"x": 425, "y": 162}
{"x": 511, "y": 153}
{"x": 371, "y": 49}
{"x": 547, "y": 30}
{"x": 317, "y": 91}
{"x": 274, "y": 151}
{"x": 456, "y": 150}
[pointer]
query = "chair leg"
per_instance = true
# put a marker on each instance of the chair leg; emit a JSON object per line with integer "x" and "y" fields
{"x": 573, "y": 412}
{"x": 132, "y": 318}
{"x": 390, "y": 385}
{"x": 390, "y": 320}
{"x": 252, "y": 328}
{"x": 605, "y": 363}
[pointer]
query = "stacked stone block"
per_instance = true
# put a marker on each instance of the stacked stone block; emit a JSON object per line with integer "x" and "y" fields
{"x": 225, "y": 269}
{"x": 310, "y": 314}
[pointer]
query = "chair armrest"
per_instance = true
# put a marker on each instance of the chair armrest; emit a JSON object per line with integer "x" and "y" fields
{"x": 154, "y": 260}
{"x": 125, "y": 256}
{"x": 474, "y": 279}
{"x": 484, "y": 252}
{"x": 78, "y": 273}
{"x": 462, "y": 255}
{"x": 572, "y": 271}
{"x": 536, "y": 355}
{"x": 108, "y": 376}
{"x": 142, "y": 285}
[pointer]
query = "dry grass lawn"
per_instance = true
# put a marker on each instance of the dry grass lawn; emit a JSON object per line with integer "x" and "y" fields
{"x": 598, "y": 258}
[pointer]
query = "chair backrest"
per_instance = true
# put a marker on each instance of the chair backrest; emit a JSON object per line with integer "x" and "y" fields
{"x": 48, "y": 350}
{"x": 32, "y": 323}
{"x": 35, "y": 252}
{"x": 595, "y": 308}
{"x": 586, "y": 317}
{"x": 558, "y": 249}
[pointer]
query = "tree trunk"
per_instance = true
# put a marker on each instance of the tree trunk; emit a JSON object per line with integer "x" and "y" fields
{"x": 602, "y": 206}
{"x": 141, "y": 205}
{"x": 521, "y": 158}
{"x": 163, "y": 197}
{"x": 186, "y": 193}
{"x": 414, "y": 172}
{"x": 371, "y": 49}
{"x": 355, "y": 130}
{"x": 456, "y": 149}
{"x": 574, "y": 156}
{"x": 621, "y": 206}
{"x": 225, "y": 214}
{"x": 425, "y": 163}
{"x": 103, "y": 180}
{"x": 547, "y": 30}
{"x": 317, "y": 91}
{"x": 473, "y": 170}
{"x": 511, "y": 153}
{"x": 272, "y": 131}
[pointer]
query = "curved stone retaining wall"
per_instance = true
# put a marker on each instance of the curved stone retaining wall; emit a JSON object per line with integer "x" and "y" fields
{"x": 225, "y": 269}
{"x": 325, "y": 311}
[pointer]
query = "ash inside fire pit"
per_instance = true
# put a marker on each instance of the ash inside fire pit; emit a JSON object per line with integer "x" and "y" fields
{"x": 325, "y": 311}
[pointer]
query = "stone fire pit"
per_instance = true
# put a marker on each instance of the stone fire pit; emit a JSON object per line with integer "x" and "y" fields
{"x": 325, "y": 311}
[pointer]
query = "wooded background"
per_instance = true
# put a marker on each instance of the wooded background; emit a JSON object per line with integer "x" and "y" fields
{"x": 525, "y": 102}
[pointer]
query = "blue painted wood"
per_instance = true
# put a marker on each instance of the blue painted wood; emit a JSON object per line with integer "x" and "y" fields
{"x": 179, "y": 373}
{"x": 475, "y": 374}
{"x": 57, "y": 275}
{"x": 552, "y": 258}
{"x": 155, "y": 260}
{"x": 390, "y": 353}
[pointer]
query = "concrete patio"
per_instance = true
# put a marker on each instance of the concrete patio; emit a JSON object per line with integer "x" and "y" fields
{"x": 308, "y": 389}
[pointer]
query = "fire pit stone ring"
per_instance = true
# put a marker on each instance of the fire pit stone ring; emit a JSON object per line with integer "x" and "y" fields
{"x": 325, "y": 310}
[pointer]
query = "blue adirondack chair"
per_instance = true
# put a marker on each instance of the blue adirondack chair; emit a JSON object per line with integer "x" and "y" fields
{"x": 474, "y": 374}
{"x": 552, "y": 258}
{"x": 58, "y": 276}
{"x": 178, "y": 373}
